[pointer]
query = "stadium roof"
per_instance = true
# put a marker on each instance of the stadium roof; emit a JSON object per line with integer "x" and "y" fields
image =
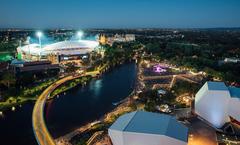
{"x": 63, "y": 47}
{"x": 72, "y": 44}
{"x": 151, "y": 123}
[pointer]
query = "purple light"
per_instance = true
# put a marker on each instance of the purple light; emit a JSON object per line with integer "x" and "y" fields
{"x": 159, "y": 69}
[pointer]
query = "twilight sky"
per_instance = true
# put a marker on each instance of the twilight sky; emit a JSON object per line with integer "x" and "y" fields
{"x": 119, "y": 13}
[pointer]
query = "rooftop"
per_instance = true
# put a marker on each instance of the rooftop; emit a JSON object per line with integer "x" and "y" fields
{"x": 15, "y": 62}
{"x": 234, "y": 91}
{"x": 63, "y": 47}
{"x": 217, "y": 86}
{"x": 151, "y": 123}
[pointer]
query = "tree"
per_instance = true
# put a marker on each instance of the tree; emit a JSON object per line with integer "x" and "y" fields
{"x": 8, "y": 79}
{"x": 71, "y": 68}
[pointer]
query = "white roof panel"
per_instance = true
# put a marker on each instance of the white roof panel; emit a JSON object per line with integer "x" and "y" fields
{"x": 151, "y": 123}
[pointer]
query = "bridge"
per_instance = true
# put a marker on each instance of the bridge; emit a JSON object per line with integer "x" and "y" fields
{"x": 40, "y": 130}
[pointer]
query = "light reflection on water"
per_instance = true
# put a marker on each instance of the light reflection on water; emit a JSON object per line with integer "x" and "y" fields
{"x": 87, "y": 103}
{"x": 96, "y": 87}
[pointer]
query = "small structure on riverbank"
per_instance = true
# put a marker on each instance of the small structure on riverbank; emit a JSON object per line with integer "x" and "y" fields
{"x": 145, "y": 128}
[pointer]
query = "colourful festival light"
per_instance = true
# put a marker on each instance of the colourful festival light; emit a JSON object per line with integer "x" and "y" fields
{"x": 159, "y": 69}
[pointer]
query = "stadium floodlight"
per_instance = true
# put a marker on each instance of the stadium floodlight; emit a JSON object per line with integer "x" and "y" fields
{"x": 39, "y": 35}
{"x": 80, "y": 34}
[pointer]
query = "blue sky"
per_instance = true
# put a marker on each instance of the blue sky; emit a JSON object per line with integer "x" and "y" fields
{"x": 119, "y": 13}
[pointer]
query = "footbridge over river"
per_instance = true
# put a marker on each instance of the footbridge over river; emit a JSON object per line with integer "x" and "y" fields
{"x": 40, "y": 130}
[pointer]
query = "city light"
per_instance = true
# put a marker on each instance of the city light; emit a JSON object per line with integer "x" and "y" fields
{"x": 159, "y": 69}
{"x": 39, "y": 35}
{"x": 13, "y": 108}
{"x": 80, "y": 34}
{"x": 28, "y": 40}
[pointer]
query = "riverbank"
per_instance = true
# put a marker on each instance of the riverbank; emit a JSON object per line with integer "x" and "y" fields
{"x": 31, "y": 94}
{"x": 87, "y": 132}
{"x": 26, "y": 95}
{"x": 69, "y": 85}
{"x": 14, "y": 102}
{"x": 84, "y": 133}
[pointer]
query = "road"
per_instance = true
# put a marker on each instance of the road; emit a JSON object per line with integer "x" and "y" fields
{"x": 40, "y": 130}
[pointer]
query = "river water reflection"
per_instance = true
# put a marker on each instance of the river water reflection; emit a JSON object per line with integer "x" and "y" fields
{"x": 68, "y": 112}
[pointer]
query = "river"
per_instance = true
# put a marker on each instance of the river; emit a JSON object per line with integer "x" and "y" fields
{"x": 72, "y": 109}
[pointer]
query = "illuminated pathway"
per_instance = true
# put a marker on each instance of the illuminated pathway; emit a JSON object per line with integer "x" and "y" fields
{"x": 39, "y": 127}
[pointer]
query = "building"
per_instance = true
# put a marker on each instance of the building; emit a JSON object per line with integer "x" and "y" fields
{"x": 57, "y": 52}
{"x": 145, "y": 128}
{"x": 103, "y": 39}
{"x": 228, "y": 60}
{"x": 130, "y": 37}
{"x": 231, "y": 60}
{"x": 20, "y": 66}
{"x": 217, "y": 104}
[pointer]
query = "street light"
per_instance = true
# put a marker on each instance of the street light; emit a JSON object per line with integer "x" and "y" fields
{"x": 39, "y": 35}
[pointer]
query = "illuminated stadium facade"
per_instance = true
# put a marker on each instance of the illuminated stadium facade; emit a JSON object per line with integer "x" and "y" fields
{"x": 64, "y": 50}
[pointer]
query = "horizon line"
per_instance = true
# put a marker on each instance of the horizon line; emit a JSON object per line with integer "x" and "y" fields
{"x": 120, "y": 28}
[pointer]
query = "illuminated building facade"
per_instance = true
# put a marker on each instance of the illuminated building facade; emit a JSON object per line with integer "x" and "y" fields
{"x": 216, "y": 103}
{"x": 103, "y": 39}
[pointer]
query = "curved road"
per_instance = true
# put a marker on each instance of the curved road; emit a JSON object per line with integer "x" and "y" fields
{"x": 39, "y": 127}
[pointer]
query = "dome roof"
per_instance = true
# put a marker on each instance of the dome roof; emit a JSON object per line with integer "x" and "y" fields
{"x": 61, "y": 48}
{"x": 72, "y": 44}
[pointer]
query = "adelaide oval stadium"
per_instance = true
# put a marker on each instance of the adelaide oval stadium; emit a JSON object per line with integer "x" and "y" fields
{"x": 64, "y": 50}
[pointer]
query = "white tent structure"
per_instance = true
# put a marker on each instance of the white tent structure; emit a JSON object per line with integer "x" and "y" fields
{"x": 145, "y": 128}
{"x": 215, "y": 103}
{"x": 60, "y": 48}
